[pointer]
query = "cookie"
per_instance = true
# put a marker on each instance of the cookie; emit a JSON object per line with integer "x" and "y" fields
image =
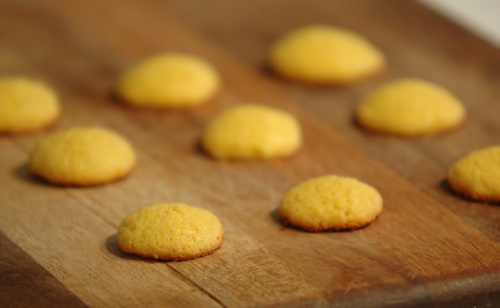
{"x": 477, "y": 175}
{"x": 330, "y": 203}
{"x": 170, "y": 80}
{"x": 325, "y": 55}
{"x": 170, "y": 231}
{"x": 26, "y": 105}
{"x": 82, "y": 156}
{"x": 410, "y": 107}
{"x": 252, "y": 131}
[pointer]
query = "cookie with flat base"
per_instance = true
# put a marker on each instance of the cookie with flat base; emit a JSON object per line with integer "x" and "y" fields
{"x": 170, "y": 231}
{"x": 325, "y": 55}
{"x": 252, "y": 131}
{"x": 330, "y": 203}
{"x": 170, "y": 80}
{"x": 410, "y": 107}
{"x": 26, "y": 105}
{"x": 82, "y": 156}
{"x": 477, "y": 175}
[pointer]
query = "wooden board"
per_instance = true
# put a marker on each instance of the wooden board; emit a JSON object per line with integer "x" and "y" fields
{"x": 428, "y": 247}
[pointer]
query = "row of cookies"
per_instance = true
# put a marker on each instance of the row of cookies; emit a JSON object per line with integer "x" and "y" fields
{"x": 242, "y": 132}
{"x": 408, "y": 107}
{"x": 84, "y": 156}
{"x": 315, "y": 54}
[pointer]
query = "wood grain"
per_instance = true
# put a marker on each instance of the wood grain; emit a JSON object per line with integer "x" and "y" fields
{"x": 427, "y": 247}
{"x": 24, "y": 283}
{"x": 461, "y": 62}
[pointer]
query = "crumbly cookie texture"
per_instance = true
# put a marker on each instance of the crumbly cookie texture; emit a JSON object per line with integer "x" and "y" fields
{"x": 320, "y": 54}
{"x": 410, "y": 107}
{"x": 330, "y": 203}
{"x": 170, "y": 80}
{"x": 252, "y": 131}
{"x": 82, "y": 156}
{"x": 477, "y": 175}
{"x": 170, "y": 231}
{"x": 26, "y": 105}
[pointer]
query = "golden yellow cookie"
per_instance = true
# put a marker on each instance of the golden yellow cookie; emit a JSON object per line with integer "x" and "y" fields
{"x": 26, "y": 105}
{"x": 325, "y": 55}
{"x": 252, "y": 131}
{"x": 477, "y": 175}
{"x": 169, "y": 80}
{"x": 82, "y": 156}
{"x": 330, "y": 203}
{"x": 173, "y": 231}
{"x": 410, "y": 107}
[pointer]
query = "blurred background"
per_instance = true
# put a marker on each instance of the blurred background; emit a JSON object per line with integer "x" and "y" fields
{"x": 479, "y": 16}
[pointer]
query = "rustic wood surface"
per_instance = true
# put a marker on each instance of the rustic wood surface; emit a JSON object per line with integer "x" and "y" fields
{"x": 428, "y": 246}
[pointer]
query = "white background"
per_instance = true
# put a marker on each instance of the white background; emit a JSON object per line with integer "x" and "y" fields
{"x": 479, "y": 16}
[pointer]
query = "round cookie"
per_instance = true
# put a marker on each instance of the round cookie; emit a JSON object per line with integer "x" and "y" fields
{"x": 477, "y": 175}
{"x": 325, "y": 55}
{"x": 172, "y": 80}
{"x": 410, "y": 107}
{"x": 26, "y": 105}
{"x": 173, "y": 231}
{"x": 82, "y": 156}
{"x": 330, "y": 203}
{"x": 252, "y": 131}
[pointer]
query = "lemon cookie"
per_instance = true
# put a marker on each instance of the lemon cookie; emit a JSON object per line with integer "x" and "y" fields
{"x": 169, "y": 80}
{"x": 252, "y": 131}
{"x": 330, "y": 203}
{"x": 173, "y": 231}
{"x": 82, "y": 156}
{"x": 325, "y": 55}
{"x": 477, "y": 175}
{"x": 410, "y": 107}
{"x": 26, "y": 105}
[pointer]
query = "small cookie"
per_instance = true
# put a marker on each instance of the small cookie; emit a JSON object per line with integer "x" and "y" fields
{"x": 82, "y": 156}
{"x": 173, "y": 231}
{"x": 325, "y": 55}
{"x": 172, "y": 80}
{"x": 477, "y": 175}
{"x": 26, "y": 105}
{"x": 330, "y": 203}
{"x": 410, "y": 107}
{"x": 252, "y": 131}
